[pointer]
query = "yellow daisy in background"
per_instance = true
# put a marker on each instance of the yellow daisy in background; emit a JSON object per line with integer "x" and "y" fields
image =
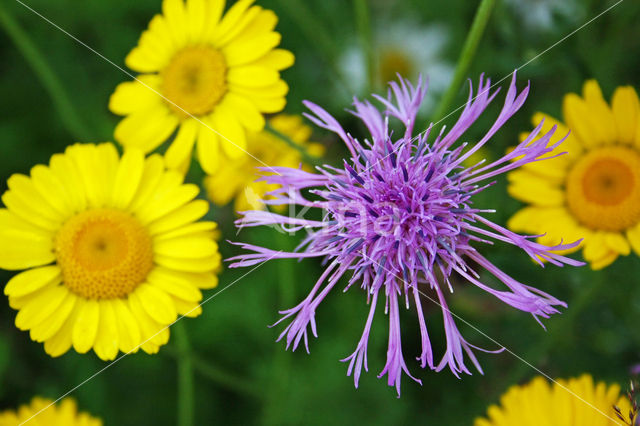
{"x": 593, "y": 191}
{"x": 63, "y": 414}
{"x": 573, "y": 402}
{"x": 237, "y": 179}
{"x": 202, "y": 70}
{"x": 112, "y": 250}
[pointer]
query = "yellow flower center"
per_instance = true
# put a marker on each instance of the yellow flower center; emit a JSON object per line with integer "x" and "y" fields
{"x": 195, "y": 80}
{"x": 103, "y": 253}
{"x": 603, "y": 189}
{"x": 392, "y": 62}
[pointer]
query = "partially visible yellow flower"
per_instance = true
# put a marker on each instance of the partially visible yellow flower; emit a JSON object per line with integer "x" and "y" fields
{"x": 237, "y": 179}
{"x": 112, "y": 248}
{"x": 222, "y": 69}
{"x": 573, "y": 402}
{"x": 593, "y": 191}
{"x": 63, "y": 414}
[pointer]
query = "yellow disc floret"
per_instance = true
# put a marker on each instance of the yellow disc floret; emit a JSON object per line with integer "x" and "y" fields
{"x": 603, "y": 188}
{"x": 195, "y": 80}
{"x": 103, "y": 253}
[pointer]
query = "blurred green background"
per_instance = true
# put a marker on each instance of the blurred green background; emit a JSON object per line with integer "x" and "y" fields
{"x": 243, "y": 376}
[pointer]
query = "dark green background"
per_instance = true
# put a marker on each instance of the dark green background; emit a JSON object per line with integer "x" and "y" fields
{"x": 598, "y": 333}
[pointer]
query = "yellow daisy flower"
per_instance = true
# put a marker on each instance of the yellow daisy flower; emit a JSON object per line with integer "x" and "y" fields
{"x": 111, "y": 248}
{"x": 593, "y": 191}
{"x": 539, "y": 403}
{"x": 63, "y": 414}
{"x": 202, "y": 70}
{"x": 237, "y": 179}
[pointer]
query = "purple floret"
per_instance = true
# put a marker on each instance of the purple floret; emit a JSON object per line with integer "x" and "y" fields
{"x": 399, "y": 221}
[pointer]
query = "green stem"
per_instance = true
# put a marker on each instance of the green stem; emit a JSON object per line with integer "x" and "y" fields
{"x": 186, "y": 401}
{"x": 68, "y": 114}
{"x": 363, "y": 25}
{"x": 306, "y": 157}
{"x": 280, "y": 377}
{"x": 217, "y": 375}
{"x": 317, "y": 35}
{"x": 466, "y": 56}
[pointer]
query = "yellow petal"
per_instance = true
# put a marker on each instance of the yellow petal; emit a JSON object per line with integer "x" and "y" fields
{"x": 32, "y": 280}
{"x": 51, "y": 325}
{"x": 128, "y": 328}
{"x": 151, "y": 330}
{"x": 252, "y": 76}
{"x": 633, "y": 234}
{"x": 208, "y": 149}
{"x": 151, "y": 176}
{"x": 187, "y": 308}
{"x": 198, "y": 228}
{"x": 600, "y": 116}
{"x": 138, "y": 95}
{"x": 244, "y": 110}
{"x": 40, "y": 307}
{"x": 106, "y": 344}
{"x": 234, "y": 21}
{"x": 603, "y": 262}
{"x": 232, "y": 135}
{"x": 186, "y": 247}
{"x": 166, "y": 202}
{"x": 576, "y": 114}
{"x": 86, "y": 326}
{"x": 277, "y": 59}
{"x": 154, "y": 48}
{"x": 182, "y": 216}
{"x": 626, "y": 110}
{"x": 616, "y": 242}
{"x": 156, "y": 303}
{"x": 175, "y": 283}
{"x": 224, "y": 185}
{"x": 244, "y": 51}
{"x": 206, "y": 264}
{"x": 23, "y": 188}
{"x": 146, "y": 129}
{"x": 23, "y": 245}
{"x": 60, "y": 343}
{"x": 51, "y": 189}
{"x": 67, "y": 173}
{"x": 127, "y": 178}
{"x": 97, "y": 166}
{"x": 530, "y": 188}
{"x": 196, "y": 16}
{"x": 182, "y": 146}
{"x": 175, "y": 16}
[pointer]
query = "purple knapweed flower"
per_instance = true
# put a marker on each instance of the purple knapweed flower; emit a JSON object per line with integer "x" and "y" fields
{"x": 635, "y": 370}
{"x": 398, "y": 216}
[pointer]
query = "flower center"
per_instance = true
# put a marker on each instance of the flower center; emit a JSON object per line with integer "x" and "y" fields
{"x": 393, "y": 62}
{"x": 195, "y": 80}
{"x": 603, "y": 189}
{"x": 103, "y": 253}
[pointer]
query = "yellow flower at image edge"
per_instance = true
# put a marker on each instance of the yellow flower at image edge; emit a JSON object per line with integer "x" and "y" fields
{"x": 41, "y": 412}
{"x": 202, "y": 70}
{"x": 113, "y": 250}
{"x": 573, "y": 402}
{"x": 593, "y": 191}
{"x": 237, "y": 179}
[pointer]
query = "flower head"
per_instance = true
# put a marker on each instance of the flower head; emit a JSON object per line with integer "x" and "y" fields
{"x": 399, "y": 217}
{"x": 237, "y": 179}
{"x": 208, "y": 74}
{"x": 577, "y": 401}
{"x": 44, "y": 412}
{"x": 593, "y": 192}
{"x": 111, "y": 248}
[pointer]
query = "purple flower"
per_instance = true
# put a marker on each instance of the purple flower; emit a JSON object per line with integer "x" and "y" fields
{"x": 635, "y": 370}
{"x": 399, "y": 221}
